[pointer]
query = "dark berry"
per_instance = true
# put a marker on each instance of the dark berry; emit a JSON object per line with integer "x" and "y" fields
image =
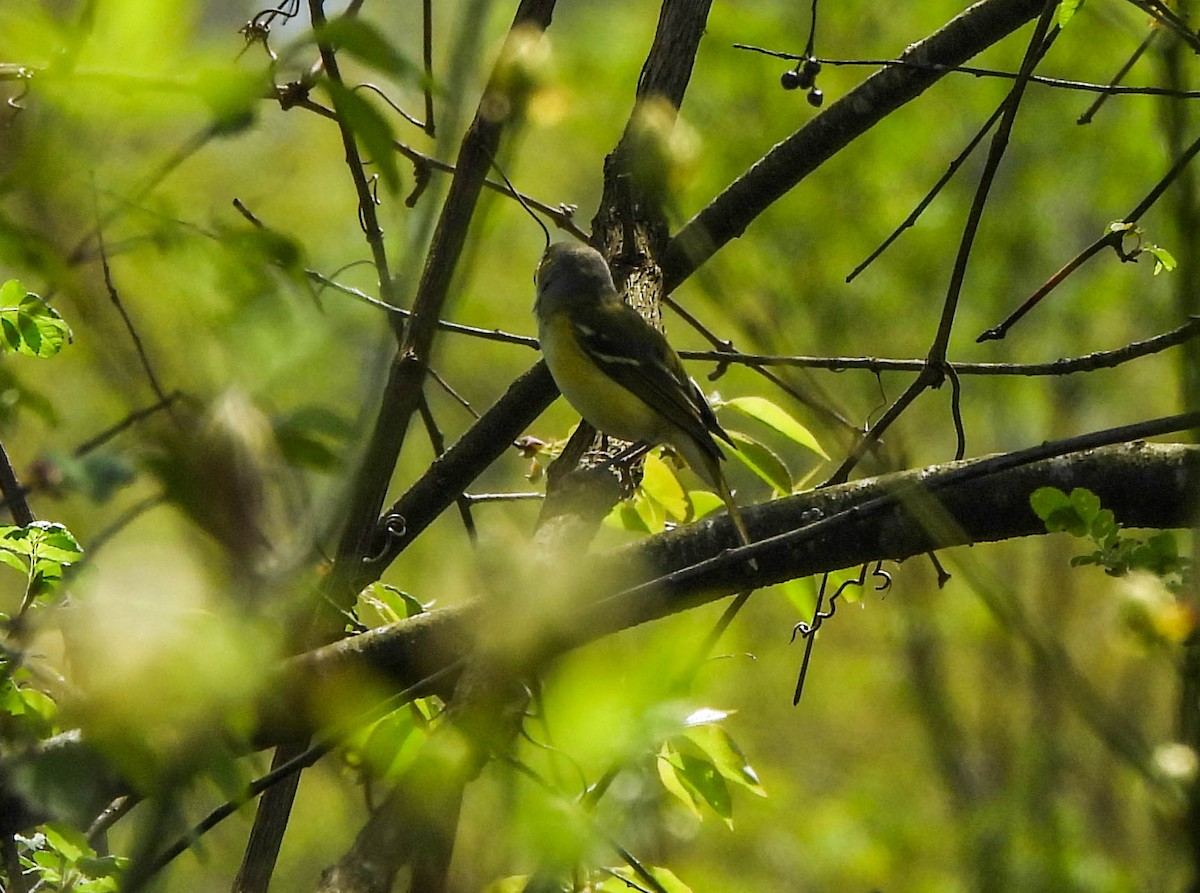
{"x": 812, "y": 68}
{"x": 815, "y": 97}
{"x": 790, "y": 79}
{"x": 804, "y": 80}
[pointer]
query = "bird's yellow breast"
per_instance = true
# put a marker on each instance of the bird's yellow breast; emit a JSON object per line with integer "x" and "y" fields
{"x": 603, "y": 402}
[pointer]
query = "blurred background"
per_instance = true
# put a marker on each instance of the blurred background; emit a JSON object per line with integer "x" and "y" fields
{"x": 934, "y": 748}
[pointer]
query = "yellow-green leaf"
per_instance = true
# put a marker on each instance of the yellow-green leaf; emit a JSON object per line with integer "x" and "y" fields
{"x": 760, "y": 459}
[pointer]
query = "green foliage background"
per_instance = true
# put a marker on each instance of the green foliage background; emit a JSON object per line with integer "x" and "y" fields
{"x": 933, "y": 749}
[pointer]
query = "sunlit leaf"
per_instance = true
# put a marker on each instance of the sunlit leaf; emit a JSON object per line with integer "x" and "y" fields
{"x": 774, "y": 416}
{"x": 1066, "y": 10}
{"x": 661, "y": 484}
{"x": 704, "y": 502}
{"x": 704, "y": 716}
{"x": 1164, "y": 261}
{"x": 702, "y": 778}
{"x": 626, "y": 880}
{"x": 32, "y": 327}
{"x": 725, "y": 755}
{"x": 669, "y": 768}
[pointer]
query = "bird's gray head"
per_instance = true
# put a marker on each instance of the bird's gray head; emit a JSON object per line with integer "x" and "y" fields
{"x": 570, "y": 271}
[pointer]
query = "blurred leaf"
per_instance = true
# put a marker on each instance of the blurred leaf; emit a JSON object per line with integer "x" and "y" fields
{"x": 232, "y": 94}
{"x": 312, "y": 437}
{"x": 98, "y": 475}
{"x": 625, "y": 516}
{"x": 372, "y": 129}
{"x": 774, "y": 416}
{"x": 705, "y": 716}
{"x": 627, "y": 880}
{"x": 365, "y": 42}
{"x": 66, "y": 841}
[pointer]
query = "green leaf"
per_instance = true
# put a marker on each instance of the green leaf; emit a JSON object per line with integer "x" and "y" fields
{"x": 1045, "y": 501}
{"x": 701, "y": 777}
{"x": 391, "y": 603}
{"x": 32, "y": 328}
{"x": 669, "y": 773}
{"x": 365, "y": 42}
{"x": 725, "y": 755}
{"x": 1066, "y": 11}
{"x": 624, "y": 516}
{"x": 1104, "y": 527}
{"x": 626, "y": 880}
{"x": 11, "y": 293}
{"x": 312, "y": 437}
{"x": 53, "y": 542}
{"x": 69, "y": 843}
{"x": 703, "y": 502}
{"x": 774, "y": 416}
{"x": 661, "y": 486}
{"x": 371, "y": 128}
{"x": 13, "y": 561}
{"x": 763, "y": 462}
{"x": 1086, "y": 504}
{"x": 1058, "y": 512}
{"x": 1164, "y": 261}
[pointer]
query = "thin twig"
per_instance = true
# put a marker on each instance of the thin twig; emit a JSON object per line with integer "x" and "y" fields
{"x": 1090, "y": 112}
{"x": 933, "y": 192}
{"x": 933, "y": 373}
{"x": 1101, "y": 359}
{"x": 473, "y": 331}
{"x": 1112, "y": 238}
{"x": 562, "y": 215}
{"x": 115, "y": 297}
{"x": 129, "y": 421}
{"x": 1113, "y": 89}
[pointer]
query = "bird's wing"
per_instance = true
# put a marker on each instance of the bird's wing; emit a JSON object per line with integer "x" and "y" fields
{"x": 648, "y": 367}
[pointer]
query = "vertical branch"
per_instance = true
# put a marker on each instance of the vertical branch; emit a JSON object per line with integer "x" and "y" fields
{"x": 933, "y": 373}
{"x": 1038, "y": 44}
{"x": 427, "y": 61}
{"x": 402, "y": 394}
{"x": 362, "y": 188}
{"x": 402, "y": 398}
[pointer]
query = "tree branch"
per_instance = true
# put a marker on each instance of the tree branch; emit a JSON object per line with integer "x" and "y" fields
{"x": 773, "y": 175}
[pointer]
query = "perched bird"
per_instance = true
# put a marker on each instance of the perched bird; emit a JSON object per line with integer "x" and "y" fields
{"x": 618, "y": 371}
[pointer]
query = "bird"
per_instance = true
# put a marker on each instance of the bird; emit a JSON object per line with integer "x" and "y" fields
{"x": 618, "y": 371}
